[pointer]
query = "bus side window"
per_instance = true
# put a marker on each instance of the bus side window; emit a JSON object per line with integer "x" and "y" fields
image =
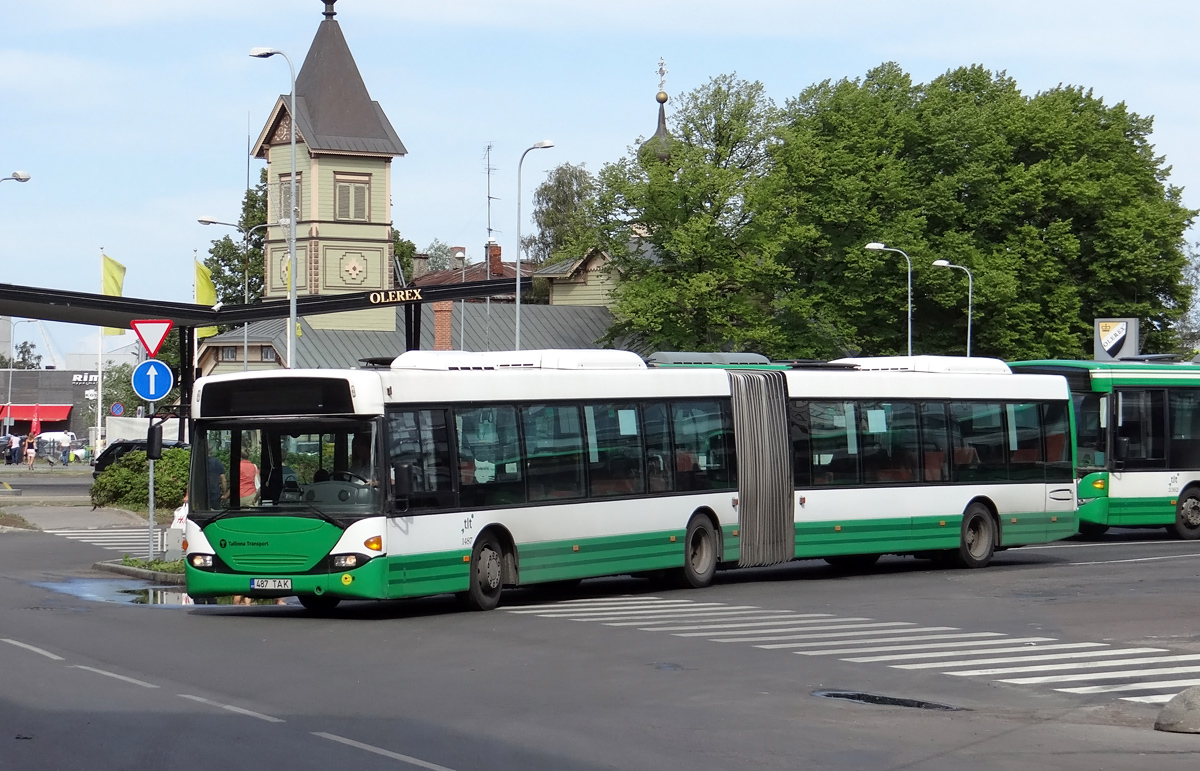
{"x": 835, "y": 456}
{"x": 1185, "y": 428}
{"x": 553, "y": 451}
{"x": 979, "y": 442}
{"x": 935, "y": 442}
{"x": 888, "y": 435}
{"x": 1058, "y": 442}
{"x": 420, "y": 438}
{"x": 798, "y": 429}
{"x": 1140, "y": 419}
{"x": 614, "y": 450}
{"x": 660, "y": 461}
{"x": 489, "y": 457}
{"x": 1025, "y": 460}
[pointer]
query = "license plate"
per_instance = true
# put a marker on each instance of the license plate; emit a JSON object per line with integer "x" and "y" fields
{"x": 271, "y": 584}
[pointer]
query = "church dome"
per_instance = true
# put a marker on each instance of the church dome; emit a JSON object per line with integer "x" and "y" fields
{"x": 658, "y": 147}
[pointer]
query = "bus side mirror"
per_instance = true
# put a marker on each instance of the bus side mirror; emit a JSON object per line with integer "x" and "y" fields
{"x": 154, "y": 442}
{"x": 1121, "y": 449}
{"x": 402, "y": 480}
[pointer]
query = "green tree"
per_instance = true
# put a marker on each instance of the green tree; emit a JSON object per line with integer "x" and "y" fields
{"x": 439, "y": 254}
{"x": 23, "y": 357}
{"x": 1056, "y": 202}
{"x": 562, "y": 213}
{"x": 228, "y": 259}
{"x": 404, "y": 250}
{"x": 694, "y": 274}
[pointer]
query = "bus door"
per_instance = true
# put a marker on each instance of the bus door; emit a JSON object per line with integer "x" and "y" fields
{"x": 1140, "y": 487}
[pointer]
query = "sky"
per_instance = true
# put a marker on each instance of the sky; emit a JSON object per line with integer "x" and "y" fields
{"x": 131, "y": 115}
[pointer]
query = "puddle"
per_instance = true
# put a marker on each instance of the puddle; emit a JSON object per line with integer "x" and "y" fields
{"x": 127, "y": 591}
{"x": 887, "y": 701}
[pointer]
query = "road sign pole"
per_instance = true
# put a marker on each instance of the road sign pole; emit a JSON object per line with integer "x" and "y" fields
{"x": 150, "y": 536}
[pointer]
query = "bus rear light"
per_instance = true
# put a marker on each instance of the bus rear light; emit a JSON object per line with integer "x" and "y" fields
{"x": 1098, "y": 484}
{"x": 201, "y": 560}
{"x": 374, "y": 543}
{"x": 345, "y": 560}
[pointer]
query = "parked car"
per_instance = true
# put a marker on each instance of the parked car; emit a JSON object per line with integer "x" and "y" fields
{"x": 120, "y": 447}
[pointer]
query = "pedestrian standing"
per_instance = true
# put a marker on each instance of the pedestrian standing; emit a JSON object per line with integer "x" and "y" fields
{"x": 30, "y": 450}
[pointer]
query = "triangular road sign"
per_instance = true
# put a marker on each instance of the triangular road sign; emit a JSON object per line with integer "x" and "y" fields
{"x": 152, "y": 332}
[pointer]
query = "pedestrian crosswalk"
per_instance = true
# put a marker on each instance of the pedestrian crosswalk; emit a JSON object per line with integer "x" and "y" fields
{"x": 1137, "y": 674}
{"x": 127, "y": 540}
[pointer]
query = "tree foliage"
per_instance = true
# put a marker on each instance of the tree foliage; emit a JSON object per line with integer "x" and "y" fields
{"x": 561, "y": 212}
{"x": 125, "y": 484}
{"x": 751, "y": 236}
{"x": 439, "y": 254}
{"x": 403, "y": 250}
{"x": 24, "y": 357}
{"x": 231, "y": 261}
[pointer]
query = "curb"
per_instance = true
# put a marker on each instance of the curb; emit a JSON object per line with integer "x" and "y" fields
{"x": 115, "y": 566}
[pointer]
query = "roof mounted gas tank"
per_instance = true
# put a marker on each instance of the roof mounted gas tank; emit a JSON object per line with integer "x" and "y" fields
{"x": 559, "y": 359}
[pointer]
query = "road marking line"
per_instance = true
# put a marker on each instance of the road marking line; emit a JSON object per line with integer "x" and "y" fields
{"x": 591, "y": 601}
{"x": 1161, "y": 699}
{"x": 1164, "y": 542}
{"x": 976, "y": 652}
{"x": 1000, "y": 639}
{"x": 706, "y": 607}
{"x": 879, "y": 626}
{"x": 908, "y": 635}
{"x": 1139, "y": 559}
{"x": 555, "y": 609}
{"x": 759, "y": 621}
{"x": 715, "y": 615}
{"x": 1131, "y": 686}
{"x": 1075, "y": 665}
{"x": 142, "y": 683}
{"x": 232, "y": 708}
{"x": 29, "y": 647}
{"x": 383, "y": 752}
{"x": 1015, "y": 659}
{"x": 823, "y": 623}
{"x": 1099, "y": 676}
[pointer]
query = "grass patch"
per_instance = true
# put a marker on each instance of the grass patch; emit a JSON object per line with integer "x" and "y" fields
{"x": 160, "y": 566}
{"x": 14, "y": 520}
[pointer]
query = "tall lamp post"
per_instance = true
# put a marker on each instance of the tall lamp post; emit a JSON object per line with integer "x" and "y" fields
{"x": 12, "y": 336}
{"x": 545, "y": 143}
{"x": 17, "y": 176}
{"x": 245, "y": 276}
{"x": 293, "y": 214}
{"x": 875, "y": 246}
{"x": 970, "y": 292}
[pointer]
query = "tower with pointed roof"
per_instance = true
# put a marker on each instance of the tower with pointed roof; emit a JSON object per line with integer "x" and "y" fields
{"x": 344, "y": 150}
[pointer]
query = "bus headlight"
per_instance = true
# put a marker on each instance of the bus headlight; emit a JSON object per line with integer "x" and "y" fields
{"x": 201, "y": 560}
{"x": 343, "y": 561}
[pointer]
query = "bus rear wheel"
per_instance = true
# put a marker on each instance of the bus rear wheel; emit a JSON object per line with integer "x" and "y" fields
{"x": 699, "y": 554}
{"x": 318, "y": 603}
{"x": 1187, "y": 517}
{"x": 487, "y": 573}
{"x": 978, "y": 541}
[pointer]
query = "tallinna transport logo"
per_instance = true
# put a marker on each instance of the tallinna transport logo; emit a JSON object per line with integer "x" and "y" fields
{"x": 222, "y": 543}
{"x": 1113, "y": 335}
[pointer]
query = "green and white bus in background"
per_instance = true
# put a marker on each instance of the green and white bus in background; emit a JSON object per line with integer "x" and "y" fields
{"x": 1137, "y": 443}
{"x": 469, "y": 472}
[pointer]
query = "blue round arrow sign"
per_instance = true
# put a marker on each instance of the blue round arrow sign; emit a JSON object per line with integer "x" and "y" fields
{"x": 152, "y": 380}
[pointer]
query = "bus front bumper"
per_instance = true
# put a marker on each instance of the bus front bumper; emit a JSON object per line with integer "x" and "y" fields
{"x": 366, "y": 582}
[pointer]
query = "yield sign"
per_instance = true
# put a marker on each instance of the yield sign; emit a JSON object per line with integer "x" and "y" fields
{"x": 151, "y": 332}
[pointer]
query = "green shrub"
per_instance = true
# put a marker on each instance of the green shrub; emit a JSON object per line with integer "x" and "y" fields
{"x": 126, "y": 483}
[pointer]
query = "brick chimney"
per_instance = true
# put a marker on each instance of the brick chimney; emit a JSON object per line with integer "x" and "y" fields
{"x": 443, "y": 325}
{"x": 495, "y": 267}
{"x": 420, "y": 266}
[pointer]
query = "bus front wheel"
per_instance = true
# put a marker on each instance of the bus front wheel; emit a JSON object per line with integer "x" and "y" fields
{"x": 1187, "y": 517}
{"x": 487, "y": 573}
{"x": 978, "y": 541}
{"x": 699, "y": 554}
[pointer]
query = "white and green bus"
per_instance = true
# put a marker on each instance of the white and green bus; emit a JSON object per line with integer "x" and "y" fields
{"x": 1137, "y": 443}
{"x": 469, "y": 472}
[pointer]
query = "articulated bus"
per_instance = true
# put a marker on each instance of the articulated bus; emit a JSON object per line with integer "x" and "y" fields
{"x": 1137, "y": 443}
{"x": 453, "y": 472}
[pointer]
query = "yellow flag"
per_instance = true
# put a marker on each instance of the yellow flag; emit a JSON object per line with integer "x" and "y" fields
{"x": 112, "y": 282}
{"x": 206, "y": 294}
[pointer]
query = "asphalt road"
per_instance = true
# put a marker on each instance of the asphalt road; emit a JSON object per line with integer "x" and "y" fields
{"x": 613, "y": 675}
{"x": 46, "y": 482}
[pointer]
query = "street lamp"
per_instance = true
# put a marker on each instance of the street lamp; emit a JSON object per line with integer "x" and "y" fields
{"x": 17, "y": 176}
{"x": 970, "y": 292}
{"x": 12, "y": 336}
{"x": 545, "y": 143}
{"x": 245, "y": 275}
{"x": 875, "y": 246}
{"x": 294, "y": 214}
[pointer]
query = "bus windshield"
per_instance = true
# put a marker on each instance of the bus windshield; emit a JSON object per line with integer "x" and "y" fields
{"x": 292, "y": 466}
{"x": 1091, "y": 429}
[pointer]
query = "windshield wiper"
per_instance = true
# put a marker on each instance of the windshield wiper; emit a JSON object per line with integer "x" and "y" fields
{"x": 327, "y": 517}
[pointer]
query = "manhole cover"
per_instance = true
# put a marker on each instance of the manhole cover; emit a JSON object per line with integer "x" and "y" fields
{"x": 887, "y": 701}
